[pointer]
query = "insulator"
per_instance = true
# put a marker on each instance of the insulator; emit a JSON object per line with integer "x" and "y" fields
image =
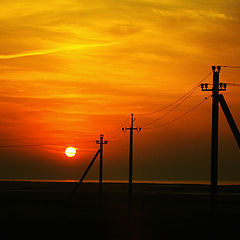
{"x": 206, "y": 85}
{"x": 218, "y": 68}
{"x": 221, "y": 85}
{"x": 224, "y": 85}
{"x": 202, "y": 85}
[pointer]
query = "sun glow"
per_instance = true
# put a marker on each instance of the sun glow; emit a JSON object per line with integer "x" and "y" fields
{"x": 70, "y": 152}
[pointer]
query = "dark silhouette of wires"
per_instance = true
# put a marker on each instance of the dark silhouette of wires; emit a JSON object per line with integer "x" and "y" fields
{"x": 117, "y": 130}
{"x": 231, "y": 66}
{"x": 171, "y": 104}
{"x": 40, "y": 144}
{"x": 27, "y": 145}
{"x": 171, "y": 110}
{"x": 114, "y": 134}
{"x": 179, "y": 117}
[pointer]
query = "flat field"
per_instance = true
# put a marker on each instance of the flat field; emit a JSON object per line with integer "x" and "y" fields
{"x": 48, "y": 210}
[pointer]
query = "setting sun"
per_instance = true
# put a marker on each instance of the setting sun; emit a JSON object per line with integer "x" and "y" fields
{"x": 70, "y": 152}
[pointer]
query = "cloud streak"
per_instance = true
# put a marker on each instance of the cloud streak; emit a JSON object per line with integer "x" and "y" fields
{"x": 55, "y": 50}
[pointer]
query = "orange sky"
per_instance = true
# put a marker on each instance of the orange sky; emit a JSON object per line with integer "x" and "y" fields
{"x": 71, "y": 70}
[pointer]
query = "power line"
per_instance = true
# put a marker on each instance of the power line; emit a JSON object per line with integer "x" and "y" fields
{"x": 27, "y": 145}
{"x": 119, "y": 139}
{"x": 117, "y": 130}
{"x": 233, "y": 84}
{"x": 39, "y": 145}
{"x": 114, "y": 133}
{"x": 184, "y": 97}
{"x": 181, "y": 116}
{"x": 169, "y": 105}
{"x": 164, "y": 115}
{"x": 231, "y": 66}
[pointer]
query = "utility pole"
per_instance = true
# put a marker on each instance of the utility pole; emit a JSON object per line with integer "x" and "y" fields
{"x": 216, "y": 99}
{"x": 215, "y": 117}
{"x": 101, "y": 142}
{"x": 131, "y": 129}
{"x": 216, "y": 87}
{"x": 99, "y": 152}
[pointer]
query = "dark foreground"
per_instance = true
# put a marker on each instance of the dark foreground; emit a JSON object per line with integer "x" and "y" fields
{"x": 31, "y": 210}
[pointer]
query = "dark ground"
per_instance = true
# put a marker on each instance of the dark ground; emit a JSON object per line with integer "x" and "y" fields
{"x": 34, "y": 210}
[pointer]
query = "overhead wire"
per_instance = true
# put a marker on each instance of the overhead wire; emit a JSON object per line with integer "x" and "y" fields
{"x": 232, "y": 84}
{"x": 169, "y": 105}
{"x": 181, "y": 116}
{"x": 231, "y": 66}
{"x": 39, "y": 145}
{"x": 26, "y": 145}
{"x": 112, "y": 135}
{"x": 171, "y": 110}
{"x": 117, "y": 130}
{"x": 119, "y": 138}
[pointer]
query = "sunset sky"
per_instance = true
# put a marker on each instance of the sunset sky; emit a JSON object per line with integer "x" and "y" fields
{"x": 73, "y": 69}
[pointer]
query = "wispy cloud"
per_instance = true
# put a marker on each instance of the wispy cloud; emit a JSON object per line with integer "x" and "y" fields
{"x": 62, "y": 49}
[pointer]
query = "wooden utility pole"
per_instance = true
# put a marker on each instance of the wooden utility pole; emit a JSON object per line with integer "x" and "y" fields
{"x": 215, "y": 117}
{"x": 214, "y": 138}
{"x": 216, "y": 99}
{"x": 101, "y": 142}
{"x": 131, "y": 129}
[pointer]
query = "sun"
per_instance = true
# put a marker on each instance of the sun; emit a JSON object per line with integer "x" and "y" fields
{"x": 70, "y": 151}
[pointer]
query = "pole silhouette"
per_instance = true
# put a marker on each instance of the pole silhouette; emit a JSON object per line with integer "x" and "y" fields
{"x": 214, "y": 150}
{"x": 101, "y": 142}
{"x": 131, "y": 129}
{"x": 99, "y": 152}
{"x": 216, "y": 99}
{"x": 214, "y": 136}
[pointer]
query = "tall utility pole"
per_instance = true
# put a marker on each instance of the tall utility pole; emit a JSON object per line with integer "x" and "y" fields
{"x": 216, "y": 99}
{"x": 101, "y": 142}
{"x": 131, "y": 128}
{"x": 215, "y": 115}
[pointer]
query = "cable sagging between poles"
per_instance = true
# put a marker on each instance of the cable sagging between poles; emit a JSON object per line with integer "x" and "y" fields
{"x": 169, "y": 105}
{"x": 179, "y": 117}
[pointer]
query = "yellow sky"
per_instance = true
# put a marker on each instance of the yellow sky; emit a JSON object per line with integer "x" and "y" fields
{"x": 71, "y": 70}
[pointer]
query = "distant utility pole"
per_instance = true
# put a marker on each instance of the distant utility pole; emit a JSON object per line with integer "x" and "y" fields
{"x": 101, "y": 142}
{"x": 216, "y": 98}
{"x": 99, "y": 151}
{"x": 131, "y": 151}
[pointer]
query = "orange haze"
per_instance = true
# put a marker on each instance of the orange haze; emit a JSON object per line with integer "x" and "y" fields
{"x": 71, "y": 70}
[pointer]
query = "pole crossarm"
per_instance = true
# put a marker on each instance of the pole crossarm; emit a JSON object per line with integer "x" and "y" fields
{"x": 219, "y": 86}
{"x": 101, "y": 141}
{"x": 230, "y": 119}
{"x": 85, "y": 173}
{"x": 137, "y": 128}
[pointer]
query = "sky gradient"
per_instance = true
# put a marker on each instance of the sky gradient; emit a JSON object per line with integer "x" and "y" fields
{"x": 71, "y": 70}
